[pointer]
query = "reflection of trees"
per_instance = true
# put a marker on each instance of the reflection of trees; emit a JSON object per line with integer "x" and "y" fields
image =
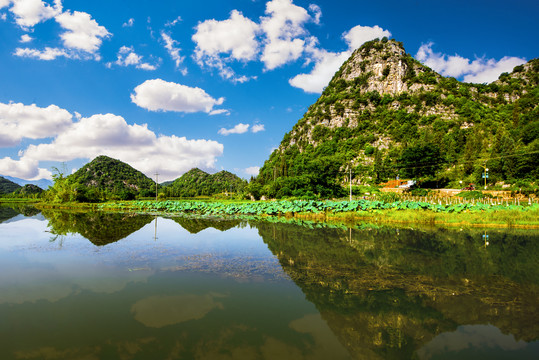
{"x": 8, "y": 211}
{"x": 386, "y": 292}
{"x": 98, "y": 227}
{"x": 195, "y": 225}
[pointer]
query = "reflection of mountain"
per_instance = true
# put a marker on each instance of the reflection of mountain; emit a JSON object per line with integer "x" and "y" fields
{"x": 196, "y": 225}
{"x": 98, "y": 227}
{"x": 385, "y": 293}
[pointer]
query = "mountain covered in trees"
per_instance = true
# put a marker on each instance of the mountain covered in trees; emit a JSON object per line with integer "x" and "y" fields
{"x": 101, "y": 179}
{"x": 7, "y": 186}
{"x": 384, "y": 114}
{"x": 196, "y": 182}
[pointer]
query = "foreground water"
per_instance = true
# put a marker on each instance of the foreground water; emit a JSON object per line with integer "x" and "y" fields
{"x": 124, "y": 286}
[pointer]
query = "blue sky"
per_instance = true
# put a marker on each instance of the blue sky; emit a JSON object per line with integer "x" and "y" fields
{"x": 170, "y": 85}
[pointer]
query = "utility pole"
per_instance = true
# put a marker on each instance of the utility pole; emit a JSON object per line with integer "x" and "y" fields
{"x": 350, "y": 178}
{"x": 156, "y": 179}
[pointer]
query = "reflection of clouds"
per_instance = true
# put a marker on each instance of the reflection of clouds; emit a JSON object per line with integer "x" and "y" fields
{"x": 159, "y": 311}
{"x": 470, "y": 336}
{"x": 30, "y": 280}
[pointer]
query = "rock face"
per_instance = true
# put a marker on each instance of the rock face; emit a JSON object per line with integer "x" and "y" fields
{"x": 382, "y": 103}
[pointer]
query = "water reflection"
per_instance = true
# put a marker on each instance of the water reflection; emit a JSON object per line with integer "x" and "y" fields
{"x": 265, "y": 290}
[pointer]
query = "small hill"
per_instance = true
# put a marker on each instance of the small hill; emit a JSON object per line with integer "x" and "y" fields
{"x": 7, "y": 186}
{"x": 196, "y": 182}
{"x": 101, "y": 179}
{"x": 384, "y": 114}
{"x": 28, "y": 189}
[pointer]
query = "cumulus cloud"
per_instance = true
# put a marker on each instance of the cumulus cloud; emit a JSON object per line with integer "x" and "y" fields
{"x": 282, "y": 27}
{"x": 219, "y": 112}
{"x": 19, "y": 121}
{"x": 480, "y": 70}
{"x": 128, "y": 57}
{"x": 218, "y": 42}
{"x": 257, "y": 128}
{"x": 129, "y": 23}
{"x": 317, "y": 13}
{"x": 28, "y": 13}
{"x": 238, "y": 129}
{"x": 26, "y": 38}
{"x": 252, "y": 170}
{"x": 160, "y": 95}
{"x": 173, "y": 51}
{"x": 24, "y": 168}
{"x": 108, "y": 134}
{"x": 82, "y": 32}
{"x": 326, "y": 63}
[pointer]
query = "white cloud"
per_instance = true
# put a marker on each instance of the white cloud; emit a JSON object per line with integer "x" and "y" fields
{"x": 173, "y": 51}
{"x": 173, "y": 22}
{"x": 129, "y": 23}
{"x": 26, "y": 38}
{"x": 31, "y": 12}
{"x": 128, "y": 57}
{"x": 480, "y": 70}
{"x": 257, "y": 128}
{"x": 19, "y": 121}
{"x": 47, "y": 54}
{"x": 234, "y": 37}
{"x": 358, "y": 35}
{"x": 238, "y": 129}
{"x": 283, "y": 26}
{"x": 160, "y": 95}
{"x": 219, "y": 112}
{"x": 3, "y": 16}
{"x": 252, "y": 170}
{"x": 317, "y": 12}
{"x": 327, "y": 63}
{"x": 83, "y": 33}
{"x": 24, "y": 168}
{"x": 108, "y": 134}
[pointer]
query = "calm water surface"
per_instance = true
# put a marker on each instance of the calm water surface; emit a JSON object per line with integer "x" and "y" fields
{"x": 125, "y": 286}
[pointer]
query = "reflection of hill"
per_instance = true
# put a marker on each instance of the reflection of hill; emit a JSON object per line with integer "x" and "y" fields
{"x": 196, "y": 225}
{"x": 386, "y": 293}
{"x": 8, "y": 211}
{"x": 98, "y": 227}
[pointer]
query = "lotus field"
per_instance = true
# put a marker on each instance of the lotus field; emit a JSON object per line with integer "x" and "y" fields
{"x": 305, "y": 206}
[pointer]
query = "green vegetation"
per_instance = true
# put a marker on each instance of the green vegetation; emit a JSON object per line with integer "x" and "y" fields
{"x": 101, "y": 179}
{"x": 436, "y": 130}
{"x": 196, "y": 182}
{"x": 7, "y": 186}
{"x": 404, "y": 211}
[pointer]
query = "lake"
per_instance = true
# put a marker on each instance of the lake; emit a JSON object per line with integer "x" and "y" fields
{"x": 95, "y": 285}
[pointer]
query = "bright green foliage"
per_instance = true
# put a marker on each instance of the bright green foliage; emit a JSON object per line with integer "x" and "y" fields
{"x": 437, "y": 130}
{"x": 196, "y": 182}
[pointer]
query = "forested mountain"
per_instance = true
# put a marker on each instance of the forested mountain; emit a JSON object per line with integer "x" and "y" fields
{"x": 7, "y": 186}
{"x": 384, "y": 115}
{"x": 28, "y": 189}
{"x": 196, "y": 182}
{"x": 101, "y": 179}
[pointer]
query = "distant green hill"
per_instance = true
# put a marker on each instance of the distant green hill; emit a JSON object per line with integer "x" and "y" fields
{"x": 196, "y": 182}
{"x": 385, "y": 115}
{"x": 7, "y": 186}
{"x": 102, "y": 179}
